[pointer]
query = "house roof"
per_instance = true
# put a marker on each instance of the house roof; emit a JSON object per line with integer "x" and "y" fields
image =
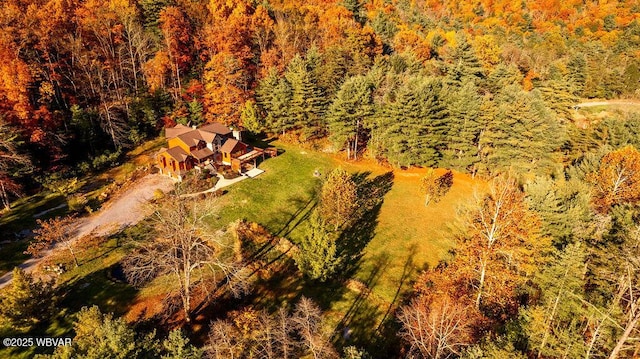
{"x": 208, "y": 137}
{"x": 232, "y": 145}
{"x": 191, "y": 138}
{"x": 216, "y": 127}
{"x": 177, "y": 153}
{"x": 176, "y": 131}
{"x": 201, "y": 154}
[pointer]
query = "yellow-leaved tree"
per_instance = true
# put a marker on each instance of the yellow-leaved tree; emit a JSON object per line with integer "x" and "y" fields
{"x": 617, "y": 180}
{"x": 499, "y": 250}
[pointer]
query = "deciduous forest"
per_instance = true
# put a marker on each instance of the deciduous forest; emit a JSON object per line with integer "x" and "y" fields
{"x": 545, "y": 260}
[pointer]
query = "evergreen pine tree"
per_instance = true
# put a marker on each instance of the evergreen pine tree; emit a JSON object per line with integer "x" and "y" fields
{"x": 521, "y": 135}
{"x": 463, "y": 63}
{"x": 250, "y": 118}
{"x": 503, "y": 76}
{"x": 555, "y": 326}
{"x": 414, "y": 124}
{"x": 318, "y": 257}
{"x": 562, "y": 205}
{"x": 349, "y": 113}
{"x": 463, "y": 128}
{"x": 577, "y": 67}
{"x": 196, "y": 116}
{"x": 557, "y": 93}
{"x": 307, "y": 104}
{"x": 26, "y": 301}
{"x": 273, "y": 96}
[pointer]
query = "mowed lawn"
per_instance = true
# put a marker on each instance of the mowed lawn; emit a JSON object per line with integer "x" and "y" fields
{"x": 410, "y": 236}
{"x": 282, "y": 197}
{"x": 407, "y": 238}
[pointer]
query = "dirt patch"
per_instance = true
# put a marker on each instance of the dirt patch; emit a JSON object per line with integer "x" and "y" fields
{"x": 146, "y": 309}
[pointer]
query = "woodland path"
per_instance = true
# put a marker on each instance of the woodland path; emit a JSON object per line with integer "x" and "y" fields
{"x": 595, "y": 103}
{"x": 127, "y": 209}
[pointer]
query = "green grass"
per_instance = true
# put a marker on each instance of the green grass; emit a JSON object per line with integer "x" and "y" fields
{"x": 89, "y": 284}
{"x": 280, "y": 197}
{"x": 406, "y": 237}
{"x": 22, "y": 211}
{"x": 20, "y": 217}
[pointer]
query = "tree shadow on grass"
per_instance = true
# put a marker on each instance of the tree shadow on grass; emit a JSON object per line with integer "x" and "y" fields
{"x": 99, "y": 288}
{"x": 357, "y": 235}
{"x": 285, "y": 285}
{"x": 385, "y": 341}
{"x": 355, "y": 327}
{"x": 370, "y": 322}
{"x": 301, "y": 214}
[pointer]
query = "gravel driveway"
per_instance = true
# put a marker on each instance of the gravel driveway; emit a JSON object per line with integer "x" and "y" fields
{"x": 128, "y": 208}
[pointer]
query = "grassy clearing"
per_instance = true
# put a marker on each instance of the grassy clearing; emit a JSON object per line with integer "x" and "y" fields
{"x": 405, "y": 238}
{"x": 409, "y": 236}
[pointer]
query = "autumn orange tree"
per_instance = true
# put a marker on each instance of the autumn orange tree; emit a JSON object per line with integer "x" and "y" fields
{"x": 177, "y": 32}
{"x": 54, "y": 231}
{"x": 434, "y": 186}
{"x": 499, "y": 250}
{"x": 617, "y": 180}
{"x": 229, "y": 73}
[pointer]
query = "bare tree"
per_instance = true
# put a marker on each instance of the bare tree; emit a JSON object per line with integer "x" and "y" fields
{"x": 224, "y": 341}
{"x": 435, "y": 329}
{"x": 282, "y": 334}
{"x": 307, "y": 320}
{"x": 628, "y": 294}
{"x": 184, "y": 248}
{"x": 256, "y": 334}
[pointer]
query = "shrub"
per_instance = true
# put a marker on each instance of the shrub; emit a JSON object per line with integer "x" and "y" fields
{"x": 158, "y": 194}
{"x": 77, "y": 202}
{"x": 58, "y": 184}
{"x": 106, "y": 160}
{"x": 228, "y": 173}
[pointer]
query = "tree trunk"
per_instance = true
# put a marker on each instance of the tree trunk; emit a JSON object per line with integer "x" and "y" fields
{"x": 627, "y": 332}
{"x": 552, "y": 315}
{"x": 546, "y": 332}
{"x": 73, "y": 254}
{"x": 594, "y": 338}
{"x": 355, "y": 152}
{"x": 110, "y": 126}
{"x": 186, "y": 290}
{"x": 483, "y": 272}
{"x": 5, "y": 197}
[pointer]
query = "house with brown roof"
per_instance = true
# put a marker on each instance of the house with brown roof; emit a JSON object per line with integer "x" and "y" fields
{"x": 174, "y": 162}
{"x": 190, "y": 147}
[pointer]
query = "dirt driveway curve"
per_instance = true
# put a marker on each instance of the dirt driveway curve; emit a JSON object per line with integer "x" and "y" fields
{"x": 126, "y": 209}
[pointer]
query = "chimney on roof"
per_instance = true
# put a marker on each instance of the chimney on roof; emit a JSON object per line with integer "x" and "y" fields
{"x": 237, "y": 134}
